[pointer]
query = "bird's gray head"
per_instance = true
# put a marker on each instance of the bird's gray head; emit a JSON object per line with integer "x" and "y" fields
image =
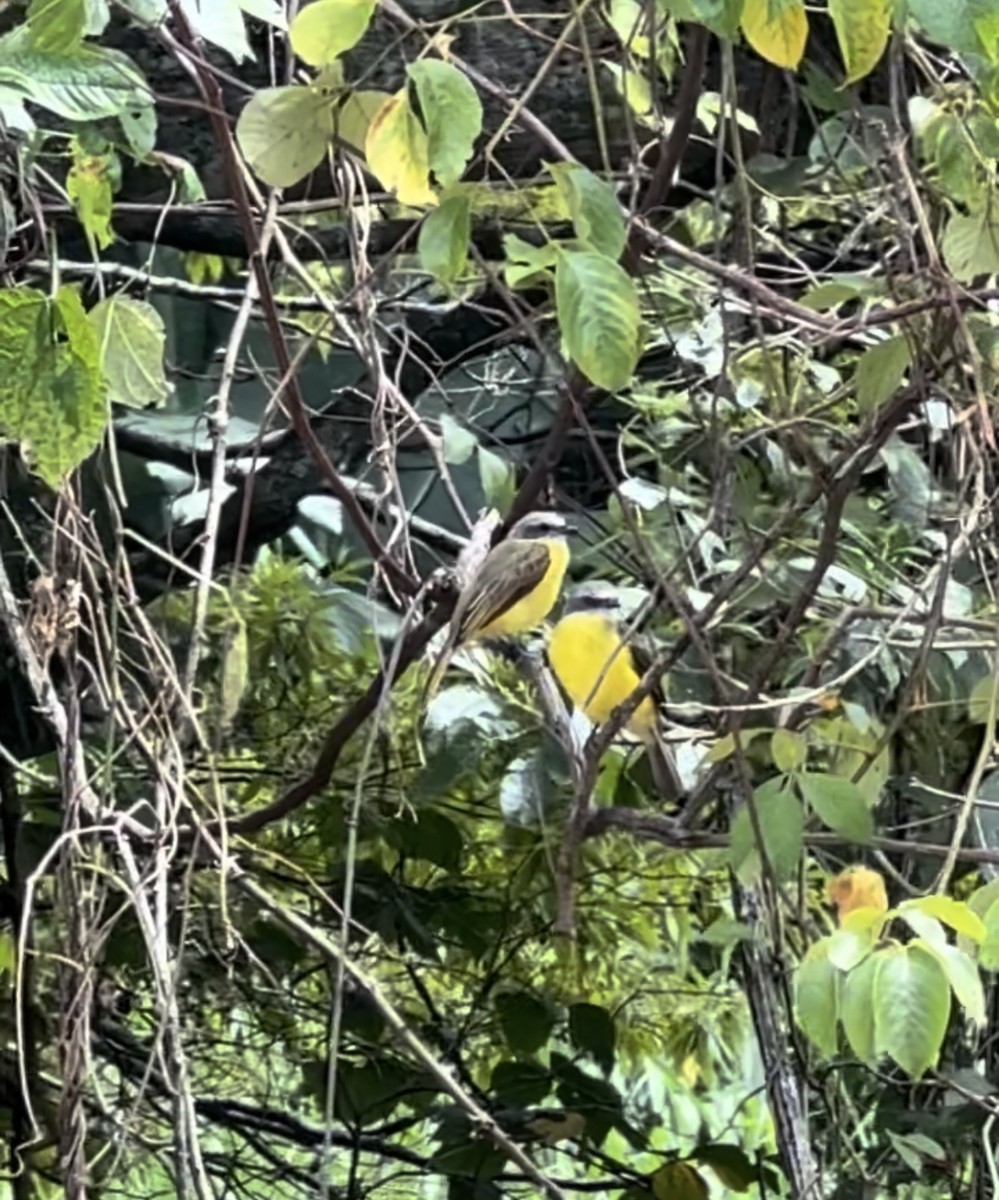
{"x": 540, "y": 525}
{"x": 593, "y": 597}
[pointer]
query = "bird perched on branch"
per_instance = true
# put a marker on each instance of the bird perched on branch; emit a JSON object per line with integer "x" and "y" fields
{"x": 512, "y": 592}
{"x": 598, "y": 669}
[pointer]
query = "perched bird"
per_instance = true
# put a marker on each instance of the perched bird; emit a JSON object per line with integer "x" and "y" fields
{"x": 512, "y": 592}
{"x": 598, "y": 670}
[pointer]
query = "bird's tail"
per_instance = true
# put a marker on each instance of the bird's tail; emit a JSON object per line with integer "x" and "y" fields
{"x": 665, "y": 775}
{"x": 437, "y": 669}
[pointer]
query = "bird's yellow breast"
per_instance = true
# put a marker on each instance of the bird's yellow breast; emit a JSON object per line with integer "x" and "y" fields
{"x": 528, "y": 612}
{"x": 580, "y": 648}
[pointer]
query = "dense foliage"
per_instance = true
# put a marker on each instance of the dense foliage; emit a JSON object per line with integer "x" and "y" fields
{"x": 302, "y": 307}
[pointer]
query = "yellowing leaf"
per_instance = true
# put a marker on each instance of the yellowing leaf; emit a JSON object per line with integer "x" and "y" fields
{"x": 777, "y": 30}
{"x": 397, "y": 151}
{"x": 862, "y": 29}
{"x": 323, "y": 31}
{"x": 679, "y": 1181}
{"x": 88, "y": 185}
{"x": 283, "y": 132}
{"x": 855, "y": 888}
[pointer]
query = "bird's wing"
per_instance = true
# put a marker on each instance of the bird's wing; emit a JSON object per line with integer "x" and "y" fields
{"x": 643, "y": 654}
{"x": 512, "y": 570}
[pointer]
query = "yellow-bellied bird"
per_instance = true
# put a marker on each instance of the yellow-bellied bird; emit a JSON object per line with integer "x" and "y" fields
{"x": 512, "y": 592}
{"x": 598, "y": 670}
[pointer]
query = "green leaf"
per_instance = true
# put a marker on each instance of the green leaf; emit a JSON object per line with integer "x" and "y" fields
{"x": 429, "y": 836}
{"x": 598, "y": 316}
{"x": 862, "y": 29}
{"x": 525, "y": 263}
{"x": 847, "y": 948}
{"x": 730, "y": 1163}
{"x": 880, "y": 372}
{"x": 781, "y": 825}
{"x": 678, "y": 1181}
{"x": 353, "y": 118}
{"x": 988, "y": 955}
{"x": 524, "y": 794}
{"x": 839, "y": 803}
{"x": 856, "y": 1008}
{"x": 284, "y": 133}
{"x": 911, "y": 1007}
{"x": 56, "y": 26}
{"x": 444, "y": 237}
{"x": 950, "y": 24}
{"x": 131, "y": 336}
{"x": 497, "y": 479}
{"x": 970, "y": 245}
{"x": 816, "y": 999}
{"x": 982, "y": 701}
{"x": 956, "y": 914}
{"x": 592, "y": 1030}
{"x": 52, "y": 397}
{"x": 830, "y": 294}
{"x": 596, "y": 214}
{"x": 322, "y": 31}
{"x": 520, "y": 1083}
{"x": 452, "y": 116}
{"x": 83, "y": 84}
{"x": 526, "y": 1021}
{"x": 789, "y": 750}
{"x": 962, "y": 975}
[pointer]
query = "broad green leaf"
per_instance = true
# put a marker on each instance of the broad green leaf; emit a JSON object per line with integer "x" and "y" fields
{"x": 730, "y": 1163}
{"x": 880, "y": 372}
{"x": 598, "y": 317}
{"x": 444, "y": 237}
{"x": 396, "y": 150}
{"x": 526, "y": 1020}
{"x": 962, "y": 975}
{"x": 497, "y": 478}
{"x": 459, "y": 443}
{"x": 452, "y": 115}
{"x": 862, "y": 29}
{"x": 635, "y": 89}
{"x": 923, "y": 925}
{"x": 525, "y": 262}
{"x": 781, "y": 825}
{"x": 520, "y": 1083}
{"x": 956, "y": 914}
{"x": 8, "y": 953}
{"x": 830, "y": 294}
{"x": 789, "y": 749}
{"x": 430, "y": 836}
{"x": 776, "y": 29}
{"x": 88, "y": 185}
{"x": 988, "y": 955}
{"x": 970, "y": 245}
{"x": 596, "y": 214}
{"x": 322, "y": 31}
{"x": 284, "y": 132}
{"x": 679, "y": 1181}
{"x": 856, "y": 1008}
{"x": 591, "y": 1029}
{"x": 720, "y": 16}
{"x": 912, "y": 1001}
{"x": 839, "y": 804}
{"x": 83, "y": 84}
{"x": 628, "y": 20}
{"x": 847, "y": 948}
{"x": 816, "y": 998}
{"x": 983, "y": 700}
{"x": 850, "y": 747}
{"x": 131, "y": 337}
{"x": 353, "y": 118}
{"x": 57, "y": 26}
{"x": 950, "y": 24}
{"x": 52, "y": 398}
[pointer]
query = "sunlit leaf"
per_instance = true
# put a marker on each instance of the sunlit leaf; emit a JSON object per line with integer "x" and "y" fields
{"x": 452, "y": 116}
{"x": 862, "y": 29}
{"x": 816, "y": 998}
{"x": 131, "y": 337}
{"x": 856, "y": 1009}
{"x": 397, "y": 152}
{"x": 598, "y": 316}
{"x": 323, "y": 30}
{"x": 776, "y": 29}
{"x": 284, "y": 132}
{"x": 912, "y": 1001}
